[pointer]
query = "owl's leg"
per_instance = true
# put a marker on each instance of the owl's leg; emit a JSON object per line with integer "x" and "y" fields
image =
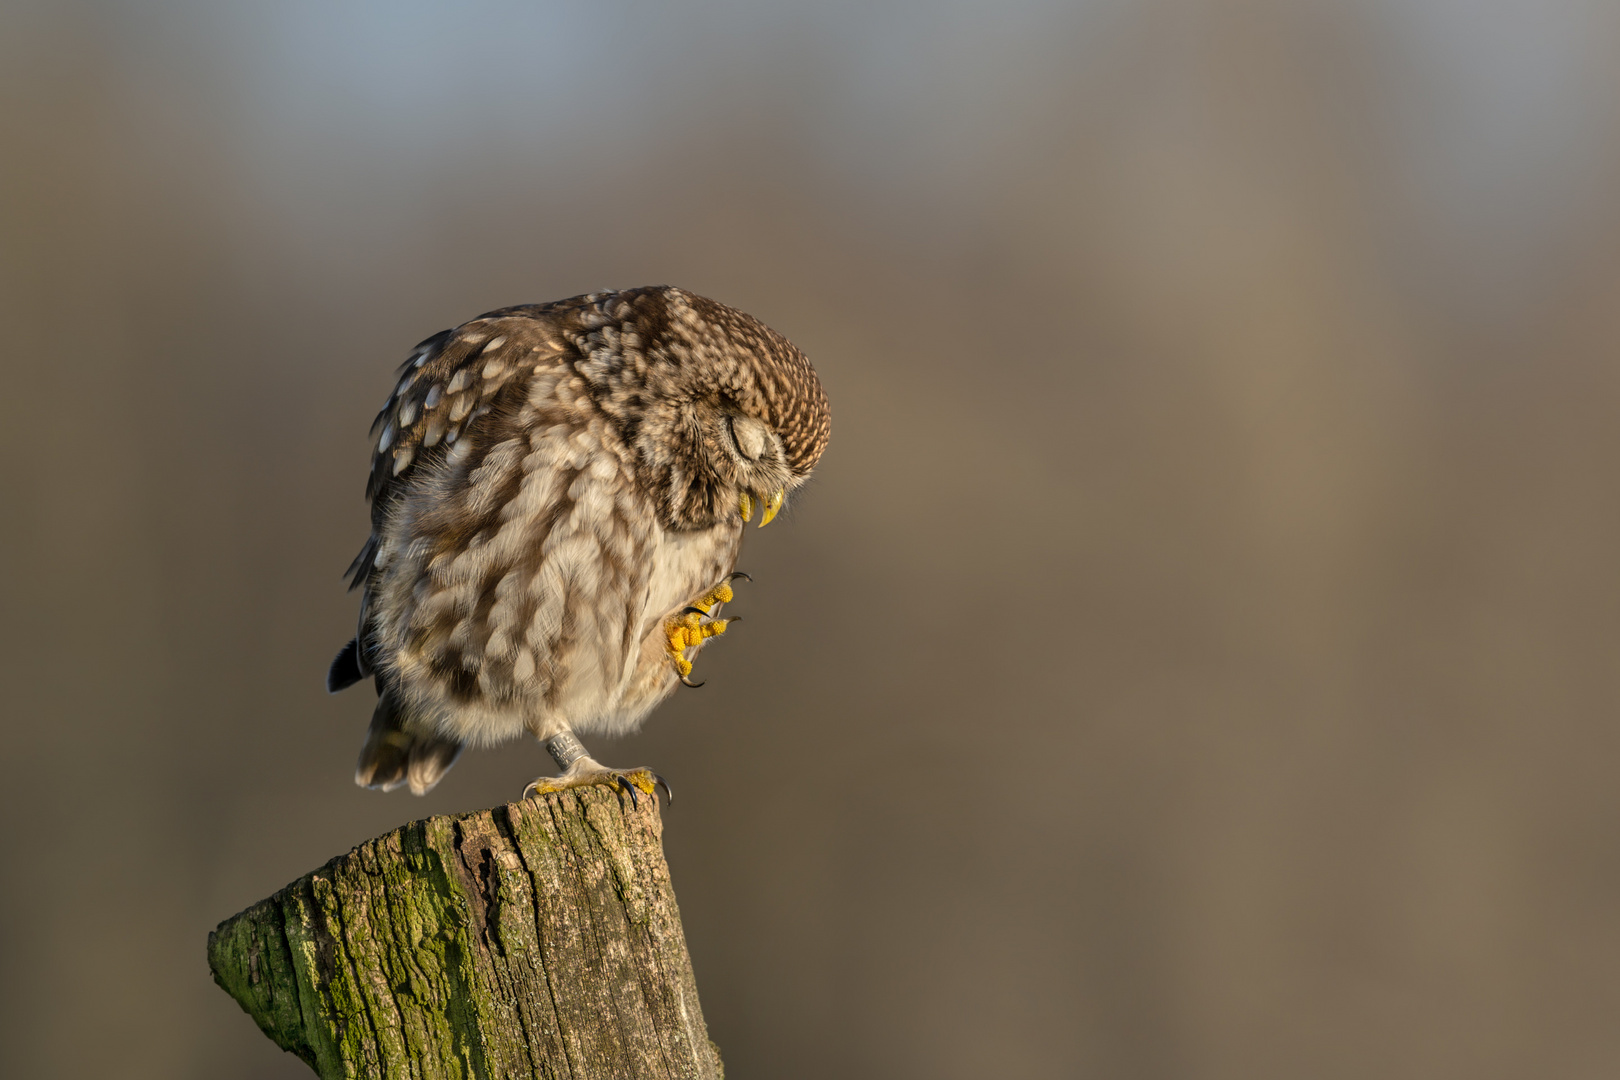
{"x": 581, "y": 770}
{"x": 687, "y": 629}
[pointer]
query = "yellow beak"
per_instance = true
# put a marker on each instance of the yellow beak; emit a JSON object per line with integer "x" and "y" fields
{"x": 772, "y": 505}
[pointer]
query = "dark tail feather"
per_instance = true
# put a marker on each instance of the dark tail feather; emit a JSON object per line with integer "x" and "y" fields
{"x": 345, "y": 670}
{"x": 393, "y": 756}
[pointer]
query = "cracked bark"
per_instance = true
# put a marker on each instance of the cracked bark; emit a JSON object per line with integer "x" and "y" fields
{"x": 538, "y": 939}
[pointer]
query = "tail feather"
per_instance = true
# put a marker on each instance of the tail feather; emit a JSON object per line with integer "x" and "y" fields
{"x": 393, "y": 756}
{"x": 345, "y": 670}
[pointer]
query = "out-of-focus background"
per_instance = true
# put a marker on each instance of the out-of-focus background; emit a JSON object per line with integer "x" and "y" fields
{"x": 1195, "y": 658}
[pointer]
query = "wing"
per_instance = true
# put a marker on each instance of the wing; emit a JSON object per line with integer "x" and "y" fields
{"x": 447, "y": 389}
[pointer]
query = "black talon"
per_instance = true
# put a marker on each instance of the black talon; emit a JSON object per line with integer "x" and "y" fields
{"x": 669, "y": 796}
{"x": 631, "y": 788}
{"x": 686, "y": 682}
{"x": 735, "y": 574}
{"x": 689, "y": 610}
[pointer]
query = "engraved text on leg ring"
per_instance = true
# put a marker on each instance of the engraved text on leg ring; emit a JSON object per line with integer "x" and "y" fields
{"x": 565, "y": 748}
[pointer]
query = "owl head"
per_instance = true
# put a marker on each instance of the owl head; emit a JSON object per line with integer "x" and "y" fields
{"x": 724, "y": 414}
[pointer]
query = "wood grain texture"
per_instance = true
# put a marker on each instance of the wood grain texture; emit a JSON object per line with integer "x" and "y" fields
{"x": 537, "y": 939}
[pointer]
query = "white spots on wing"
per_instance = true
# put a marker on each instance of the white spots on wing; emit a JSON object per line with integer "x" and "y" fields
{"x": 435, "y": 392}
{"x": 386, "y": 439}
{"x": 460, "y": 407}
{"x": 402, "y": 458}
{"x": 495, "y": 344}
{"x": 495, "y": 369}
{"x": 407, "y": 414}
{"x": 460, "y": 382}
{"x": 435, "y": 431}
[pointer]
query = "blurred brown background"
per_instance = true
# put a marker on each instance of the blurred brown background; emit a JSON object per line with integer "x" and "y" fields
{"x": 1196, "y": 657}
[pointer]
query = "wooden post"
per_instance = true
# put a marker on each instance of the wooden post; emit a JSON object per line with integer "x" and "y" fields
{"x": 538, "y": 939}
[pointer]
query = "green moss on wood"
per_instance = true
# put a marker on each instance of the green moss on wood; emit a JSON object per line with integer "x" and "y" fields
{"x": 539, "y": 939}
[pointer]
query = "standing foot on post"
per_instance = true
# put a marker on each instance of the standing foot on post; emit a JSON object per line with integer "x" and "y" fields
{"x": 581, "y": 770}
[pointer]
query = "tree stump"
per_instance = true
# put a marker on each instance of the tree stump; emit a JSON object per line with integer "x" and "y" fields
{"x": 537, "y": 939}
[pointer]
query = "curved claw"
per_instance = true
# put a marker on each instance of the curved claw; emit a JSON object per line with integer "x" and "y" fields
{"x": 735, "y": 574}
{"x": 690, "y": 610}
{"x": 688, "y": 682}
{"x": 669, "y": 796}
{"x": 635, "y": 803}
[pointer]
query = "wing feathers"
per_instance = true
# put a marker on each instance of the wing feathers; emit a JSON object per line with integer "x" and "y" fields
{"x": 444, "y": 386}
{"x": 360, "y": 569}
{"x": 448, "y": 382}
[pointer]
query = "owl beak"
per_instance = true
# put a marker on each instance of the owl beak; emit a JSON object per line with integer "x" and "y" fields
{"x": 772, "y": 505}
{"x": 745, "y": 505}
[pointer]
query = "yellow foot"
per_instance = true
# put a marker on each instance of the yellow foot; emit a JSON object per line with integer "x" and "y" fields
{"x": 687, "y": 630}
{"x": 585, "y": 773}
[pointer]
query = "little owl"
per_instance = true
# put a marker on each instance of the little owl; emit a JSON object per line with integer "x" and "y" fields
{"x": 558, "y": 492}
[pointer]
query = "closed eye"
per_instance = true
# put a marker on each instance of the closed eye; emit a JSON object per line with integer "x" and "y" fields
{"x": 748, "y": 435}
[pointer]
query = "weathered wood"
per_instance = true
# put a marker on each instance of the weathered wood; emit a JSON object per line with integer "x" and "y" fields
{"x": 538, "y": 939}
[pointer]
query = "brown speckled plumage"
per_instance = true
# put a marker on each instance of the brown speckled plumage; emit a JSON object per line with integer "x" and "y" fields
{"x": 550, "y": 483}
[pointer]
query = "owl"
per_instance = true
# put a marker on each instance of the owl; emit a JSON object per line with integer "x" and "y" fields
{"x": 558, "y": 493}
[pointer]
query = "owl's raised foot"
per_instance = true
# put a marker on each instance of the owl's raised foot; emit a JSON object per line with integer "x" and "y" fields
{"x": 688, "y": 630}
{"x": 586, "y": 773}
